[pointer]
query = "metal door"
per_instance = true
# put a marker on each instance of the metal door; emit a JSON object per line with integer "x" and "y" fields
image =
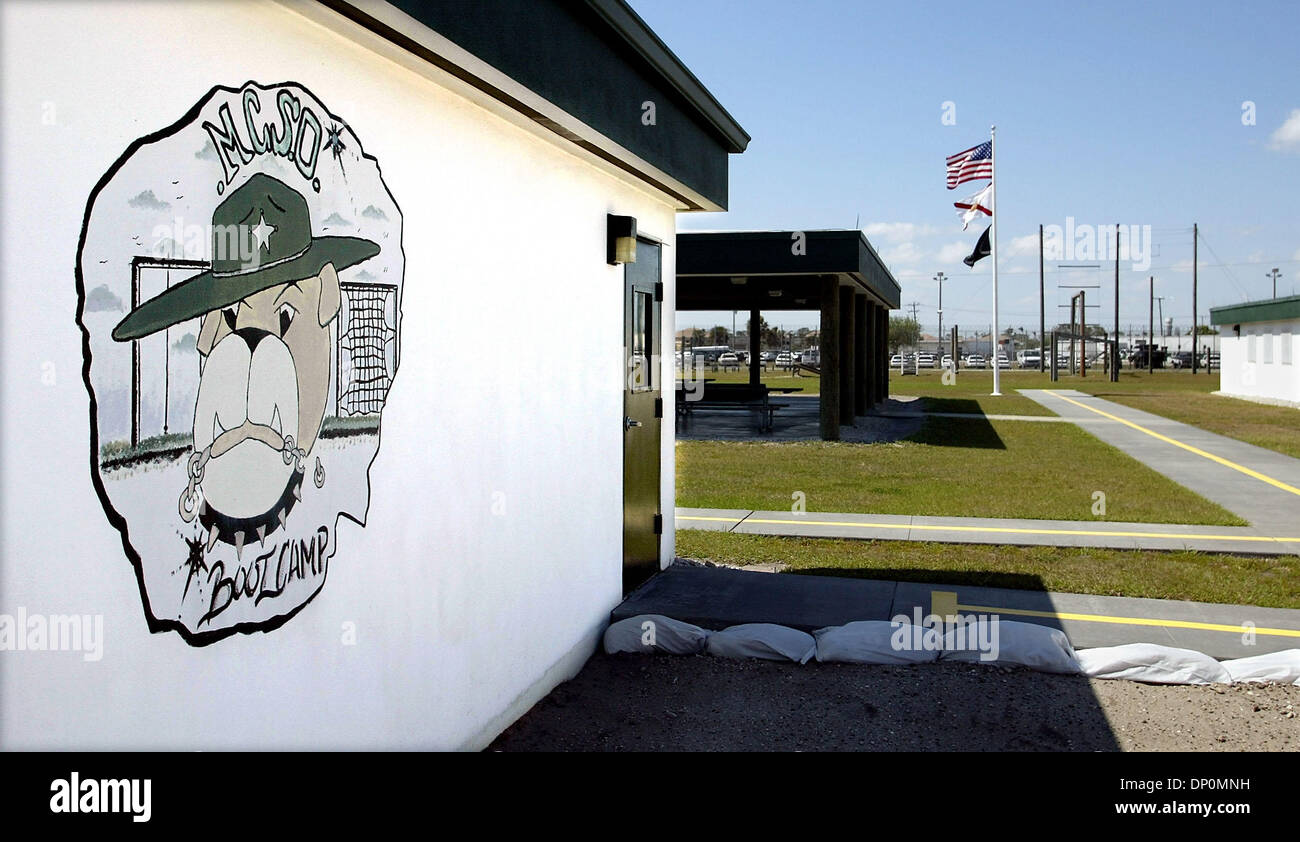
{"x": 642, "y": 416}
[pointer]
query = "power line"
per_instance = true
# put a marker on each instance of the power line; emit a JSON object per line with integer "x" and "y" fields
{"x": 1227, "y": 271}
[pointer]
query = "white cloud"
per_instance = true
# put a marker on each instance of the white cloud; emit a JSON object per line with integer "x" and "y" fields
{"x": 954, "y": 252}
{"x": 1184, "y": 265}
{"x": 896, "y": 232}
{"x": 1021, "y": 246}
{"x": 1287, "y": 136}
{"x": 1296, "y": 256}
{"x": 902, "y": 254}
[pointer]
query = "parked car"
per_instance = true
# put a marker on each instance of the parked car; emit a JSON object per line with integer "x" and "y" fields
{"x": 765, "y": 356}
{"x": 947, "y": 361}
{"x": 728, "y": 360}
{"x": 1029, "y": 359}
{"x": 976, "y": 361}
{"x": 1003, "y": 362}
{"x": 1157, "y": 359}
{"x": 925, "y": 360}
{"x": 1181, "y": 359}
{"x": 896, "y": 361}
{"x": 783, "y": 359}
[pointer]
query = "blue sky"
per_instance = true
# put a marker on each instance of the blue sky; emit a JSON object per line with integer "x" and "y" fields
{"x": 1107, "y": 112}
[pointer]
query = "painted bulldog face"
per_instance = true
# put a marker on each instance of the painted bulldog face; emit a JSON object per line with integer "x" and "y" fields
{"x": 262, "y": 396}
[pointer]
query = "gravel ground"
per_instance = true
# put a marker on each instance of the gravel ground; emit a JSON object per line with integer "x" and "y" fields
{"x": 700, "y": 703}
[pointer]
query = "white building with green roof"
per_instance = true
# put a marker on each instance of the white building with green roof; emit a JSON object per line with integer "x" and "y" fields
{"x": 1260, "y": 350}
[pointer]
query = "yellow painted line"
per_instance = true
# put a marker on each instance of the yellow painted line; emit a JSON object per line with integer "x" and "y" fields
{"x": 1011, "y": 530}
{"x": 1189, "y": 448}
{"x": 1131, "y": 621}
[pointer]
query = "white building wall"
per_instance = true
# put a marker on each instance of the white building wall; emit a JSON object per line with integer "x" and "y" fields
{"x": 509, "y": 389}
{"x": 1272, "y": 372}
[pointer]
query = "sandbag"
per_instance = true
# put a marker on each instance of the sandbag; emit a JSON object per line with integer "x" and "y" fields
{"x": 1281, "y": 667}
{"x": 870, "y": 642}
{"x": 1013, "y": 644}
{"x": 1152, "y": 663}
{"x": 649, "y": 633}
{"x": 762, "y": 640}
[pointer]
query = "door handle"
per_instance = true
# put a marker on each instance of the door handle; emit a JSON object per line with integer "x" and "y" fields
{"x": 629, "y": 423}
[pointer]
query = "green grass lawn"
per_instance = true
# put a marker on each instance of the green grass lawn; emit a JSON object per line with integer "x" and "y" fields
{"x": 1171, "y": 393}
{"x": 1271, "y": 582}
{"x": 953, "y": 466}
{"x": 810, "y": 384}
{"x": 969, "y": 391}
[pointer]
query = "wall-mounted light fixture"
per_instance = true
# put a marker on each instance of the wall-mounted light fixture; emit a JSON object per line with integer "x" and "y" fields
{"x": 739, "y": 281}
{"x": 620, "y": 240}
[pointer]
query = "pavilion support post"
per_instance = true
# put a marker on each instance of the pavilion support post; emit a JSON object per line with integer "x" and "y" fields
{"x": 830, "y": 353}
{"x": 861, "y": 355}
{"x": 755, "y": 344}
{"x": 848, "y": 333}
{"x": 882, "y": 334}
{"x": 880, "y": 362}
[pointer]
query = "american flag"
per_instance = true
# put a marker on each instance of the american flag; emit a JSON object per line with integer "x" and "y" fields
{"x": 970, "y": 164}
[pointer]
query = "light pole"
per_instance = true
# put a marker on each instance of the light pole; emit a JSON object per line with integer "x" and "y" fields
{"x": 1274, "y": 275}
{"x": 940, "y": 278}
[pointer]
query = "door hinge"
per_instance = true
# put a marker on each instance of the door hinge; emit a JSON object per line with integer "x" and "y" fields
{"x": 659, "y": 524}
{"x": 659, "y": 407}
{"x": 659, "y": 290}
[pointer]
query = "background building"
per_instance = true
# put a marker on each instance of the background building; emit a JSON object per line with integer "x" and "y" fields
{"x": 1259, "y": 343}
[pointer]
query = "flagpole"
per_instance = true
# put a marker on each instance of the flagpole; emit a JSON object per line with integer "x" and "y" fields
{"x": 993, "y": 249}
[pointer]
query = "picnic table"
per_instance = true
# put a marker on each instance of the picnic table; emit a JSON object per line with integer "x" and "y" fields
{"x": 732, "y": 397}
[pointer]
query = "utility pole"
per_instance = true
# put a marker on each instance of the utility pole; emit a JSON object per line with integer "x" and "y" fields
{"x": 1042, "y": 317}
{"x": 939, "y": 278}
{"x": 1114, "y": 363}
{"x": 1083, "y": 333}
{"x": 1274, "y": 275}
{"x": 1151, "y": 329}
{"x": 1160, "y": 308}
{"x": 1196, "y": 335}
{"x": 1073, "y": 328}
{"x": 913, "y": 307}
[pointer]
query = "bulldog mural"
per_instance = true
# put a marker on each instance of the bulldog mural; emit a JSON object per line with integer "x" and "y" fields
{"x": 236, "y": 395}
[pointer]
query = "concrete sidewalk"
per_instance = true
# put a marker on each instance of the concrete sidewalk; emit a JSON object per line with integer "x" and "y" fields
{"x": 717, "y": 597}
{"x": 1243, "y": 540}
{"x": 1261, "y": 486}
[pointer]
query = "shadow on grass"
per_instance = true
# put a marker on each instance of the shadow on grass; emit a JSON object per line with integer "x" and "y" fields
{"x": 958, "y": 432}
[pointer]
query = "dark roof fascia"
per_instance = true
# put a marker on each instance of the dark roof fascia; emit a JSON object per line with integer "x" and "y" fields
{"x": 769, "y": 253}
{"x": 628, "y": 24}
{"x": 1268, "y": 310}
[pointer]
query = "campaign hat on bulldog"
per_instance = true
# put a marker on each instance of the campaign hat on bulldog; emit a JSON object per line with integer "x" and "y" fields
{"x": 274, "y": 218}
